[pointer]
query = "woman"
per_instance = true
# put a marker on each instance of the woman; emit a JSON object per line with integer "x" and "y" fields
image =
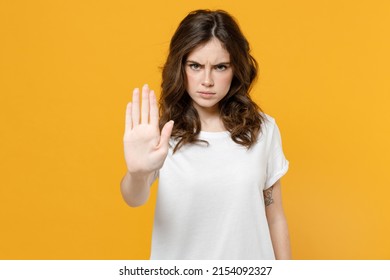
{"x": 218, "y": 157}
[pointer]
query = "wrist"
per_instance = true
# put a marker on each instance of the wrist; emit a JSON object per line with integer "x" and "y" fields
{"x": 140, "y": 175}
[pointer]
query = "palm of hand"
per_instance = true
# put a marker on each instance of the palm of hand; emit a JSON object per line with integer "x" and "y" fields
{"x": 145, "y": 149}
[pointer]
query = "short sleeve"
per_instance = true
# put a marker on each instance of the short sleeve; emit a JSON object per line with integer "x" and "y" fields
{"x": 277, "y": 164}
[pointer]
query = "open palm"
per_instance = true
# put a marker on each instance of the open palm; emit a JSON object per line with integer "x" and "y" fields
{"x": 145, "y": 148}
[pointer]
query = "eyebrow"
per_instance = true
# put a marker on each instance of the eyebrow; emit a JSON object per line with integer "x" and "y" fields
{"x": 193, "y": 61}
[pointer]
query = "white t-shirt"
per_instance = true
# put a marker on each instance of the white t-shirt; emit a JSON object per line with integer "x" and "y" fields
{"x": 210, "y": 202}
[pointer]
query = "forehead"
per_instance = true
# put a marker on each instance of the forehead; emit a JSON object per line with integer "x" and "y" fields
{"x": 213, "y": 51}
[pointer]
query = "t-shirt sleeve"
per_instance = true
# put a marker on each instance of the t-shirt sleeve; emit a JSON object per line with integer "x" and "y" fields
{"x": 277, "y": 164}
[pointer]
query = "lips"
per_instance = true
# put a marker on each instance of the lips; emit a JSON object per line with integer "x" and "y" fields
{"x": 206, "y": 94}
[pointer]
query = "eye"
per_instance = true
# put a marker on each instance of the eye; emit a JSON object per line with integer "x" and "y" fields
{"x": 221, "y": 67}
{"x": 194, "y": 66}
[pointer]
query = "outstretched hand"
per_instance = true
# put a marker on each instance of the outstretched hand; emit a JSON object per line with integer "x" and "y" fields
{"x": 145, "y": 148}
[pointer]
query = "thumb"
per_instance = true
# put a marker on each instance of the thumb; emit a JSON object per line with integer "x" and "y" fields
{"x": 165, "y": 135}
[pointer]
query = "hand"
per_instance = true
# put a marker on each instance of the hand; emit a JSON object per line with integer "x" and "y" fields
{"x": 145, "y": 148}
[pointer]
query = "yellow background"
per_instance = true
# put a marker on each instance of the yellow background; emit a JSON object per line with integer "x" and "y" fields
{"x": 68, "y": 69}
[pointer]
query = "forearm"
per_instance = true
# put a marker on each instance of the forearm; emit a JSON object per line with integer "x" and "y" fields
{"x": 277, "y": 222}
{"x": 135, "y": 188}
{"x": 280, "y": 239}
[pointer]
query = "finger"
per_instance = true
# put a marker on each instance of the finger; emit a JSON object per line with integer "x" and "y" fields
{"x": 145, "y": 105}
{"x": 153, "y": 109}
{"x": 135, "y": 107}
{"x": 165, "y": 135}
{"x": 128, "y": 124}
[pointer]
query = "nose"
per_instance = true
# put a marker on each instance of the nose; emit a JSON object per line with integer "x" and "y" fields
{"x": 208, "y": 80}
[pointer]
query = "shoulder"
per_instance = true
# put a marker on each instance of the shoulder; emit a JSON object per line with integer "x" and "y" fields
{"x": 269, "y": 129}
{"x": 267, "y": 118}
{"x": 269, "y": 122}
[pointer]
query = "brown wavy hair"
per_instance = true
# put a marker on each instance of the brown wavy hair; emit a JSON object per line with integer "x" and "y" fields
{"x": 240, "y": 115}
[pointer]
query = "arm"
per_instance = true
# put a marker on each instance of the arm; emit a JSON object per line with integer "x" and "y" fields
{"x": 277, "y": 222}
{"x": 145, "y": 148}
{"x": 136, "y": 189}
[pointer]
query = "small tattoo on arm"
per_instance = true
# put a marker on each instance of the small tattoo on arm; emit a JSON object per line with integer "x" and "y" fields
{"x": 268, "y": 200}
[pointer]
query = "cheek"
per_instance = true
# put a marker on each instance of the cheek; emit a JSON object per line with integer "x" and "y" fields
{"x": 191, "y": 79}
{"x": 225, "y": 81}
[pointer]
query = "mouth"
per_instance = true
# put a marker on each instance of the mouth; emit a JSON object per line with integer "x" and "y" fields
{"x": 206, "y": 94}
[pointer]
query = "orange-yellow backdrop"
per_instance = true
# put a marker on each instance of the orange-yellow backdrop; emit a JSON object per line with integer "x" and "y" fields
{"x": 67, "y": 72}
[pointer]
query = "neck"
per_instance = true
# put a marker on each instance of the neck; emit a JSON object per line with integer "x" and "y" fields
{"x": 210, "y": 120}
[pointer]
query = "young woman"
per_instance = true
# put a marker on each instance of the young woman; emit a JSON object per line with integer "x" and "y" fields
{"x": 217, "y": 156}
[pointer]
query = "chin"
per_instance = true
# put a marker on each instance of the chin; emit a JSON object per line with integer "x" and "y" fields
{"x": 206, "y": 105}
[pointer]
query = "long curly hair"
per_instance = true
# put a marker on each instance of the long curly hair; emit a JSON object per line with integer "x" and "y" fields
{"x": 240, "y": 115}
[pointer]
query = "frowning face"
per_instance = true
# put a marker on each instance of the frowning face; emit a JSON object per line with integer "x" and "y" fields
{"x": 209, "y": 75}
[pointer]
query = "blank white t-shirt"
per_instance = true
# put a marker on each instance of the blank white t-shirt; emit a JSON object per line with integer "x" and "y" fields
{"x": 210, "y": 202}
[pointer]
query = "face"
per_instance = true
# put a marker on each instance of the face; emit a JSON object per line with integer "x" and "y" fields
{"x": 209, "y": 75}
